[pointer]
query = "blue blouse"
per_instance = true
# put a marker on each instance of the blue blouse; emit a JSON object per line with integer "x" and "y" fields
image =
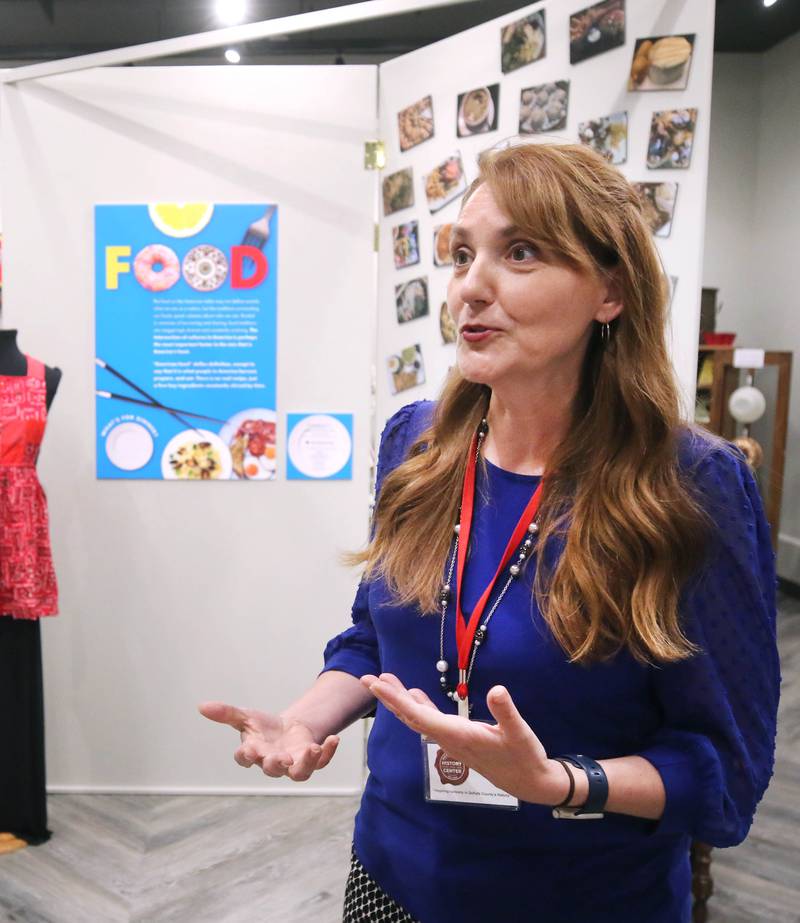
{"x": 707, "y": 724}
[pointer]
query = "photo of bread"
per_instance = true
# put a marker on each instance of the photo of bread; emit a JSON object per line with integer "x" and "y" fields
{"x": 661, "y": 63}
{"x": 658, "y": 205}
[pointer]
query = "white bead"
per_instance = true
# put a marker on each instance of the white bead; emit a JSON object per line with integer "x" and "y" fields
{"x": 457, "y": 528}
{"x": 514, "y": 570}
{"x": 533, "y": 528}
{"x": 442, "y": 666}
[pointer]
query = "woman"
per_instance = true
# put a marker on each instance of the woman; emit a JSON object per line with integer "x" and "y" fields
{"x": 613, "y": 656}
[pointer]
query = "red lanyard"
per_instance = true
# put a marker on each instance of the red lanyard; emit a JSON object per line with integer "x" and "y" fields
{"x": 465, "y": 632}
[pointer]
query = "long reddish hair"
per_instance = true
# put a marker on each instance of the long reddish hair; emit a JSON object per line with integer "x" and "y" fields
{"x": 616, "y": 499}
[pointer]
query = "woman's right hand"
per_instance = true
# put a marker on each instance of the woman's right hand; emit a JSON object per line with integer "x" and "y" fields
{"x": 279, "y": 746}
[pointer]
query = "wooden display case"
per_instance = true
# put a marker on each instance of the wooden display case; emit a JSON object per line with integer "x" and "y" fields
{"x": 712, "y": 412}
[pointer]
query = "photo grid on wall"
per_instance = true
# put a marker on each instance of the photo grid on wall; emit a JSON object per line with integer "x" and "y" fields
{"x": 432, "y": 159}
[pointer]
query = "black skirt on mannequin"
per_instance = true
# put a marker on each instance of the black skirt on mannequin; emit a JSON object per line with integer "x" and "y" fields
{"x": 23, "y": 799}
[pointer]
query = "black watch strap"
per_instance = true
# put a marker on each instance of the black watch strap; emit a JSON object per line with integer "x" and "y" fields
{"x": 598, "y": 789}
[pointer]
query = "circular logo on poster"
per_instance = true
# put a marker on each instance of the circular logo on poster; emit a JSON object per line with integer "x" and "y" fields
{"x": 451, "y": 771}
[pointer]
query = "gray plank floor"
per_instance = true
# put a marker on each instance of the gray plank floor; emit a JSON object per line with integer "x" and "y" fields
{"x": 167, "y": 859}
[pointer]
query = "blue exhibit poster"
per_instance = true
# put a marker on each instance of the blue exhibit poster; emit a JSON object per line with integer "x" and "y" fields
{"x": 186, "y": 318}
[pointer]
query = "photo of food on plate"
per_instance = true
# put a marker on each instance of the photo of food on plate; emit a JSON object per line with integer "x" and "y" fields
{"x": 607, "y": 135}
{"x": 398, "y": 191}
{"x": 415, "y": 123}
{"x": 253, "y": 450}
{"x": 661, "y": 63}
{"x": 478, "y": 110}
{"x": 445, "y": 183}
{"x": 544, "y": 108}
{"x": 405, "y": 238}
{"x": 598, "y": 28}
{"x": 406, "y": 369}
{"x": 411, "y": 299}
{"x": 447, "y": 325}
{"x": 441, "y": 245}
{"x": 658, "y": 205}
{"x": 671, "y": 139}
{"x": 522, "y": 42}
{"x": 196, "y": 455}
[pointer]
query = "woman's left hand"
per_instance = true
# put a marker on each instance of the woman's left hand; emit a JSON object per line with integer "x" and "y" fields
{"x": 508, "y": 754}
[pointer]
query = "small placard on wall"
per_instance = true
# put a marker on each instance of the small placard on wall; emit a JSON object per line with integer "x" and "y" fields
{"x": 748, "y": 358}
{"x": 319, "y": 447}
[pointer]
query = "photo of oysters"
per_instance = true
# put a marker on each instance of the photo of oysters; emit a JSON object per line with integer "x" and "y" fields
{"x": 671, "y": 139}
{"x": 544, "y": 107}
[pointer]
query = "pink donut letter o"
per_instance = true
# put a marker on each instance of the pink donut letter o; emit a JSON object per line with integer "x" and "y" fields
{"x": 156, "y": 280}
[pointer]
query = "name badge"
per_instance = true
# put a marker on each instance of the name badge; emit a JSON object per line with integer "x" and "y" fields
{"x": 451, "y": 781}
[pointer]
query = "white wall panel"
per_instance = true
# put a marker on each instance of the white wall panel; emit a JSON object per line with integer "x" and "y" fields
{"x": 176, "y": 593}
{"x": 598, "y": 87}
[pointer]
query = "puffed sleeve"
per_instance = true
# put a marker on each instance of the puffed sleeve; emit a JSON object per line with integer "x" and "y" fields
{"x": 355, "y": 650}
{"x": 715, "y": 749}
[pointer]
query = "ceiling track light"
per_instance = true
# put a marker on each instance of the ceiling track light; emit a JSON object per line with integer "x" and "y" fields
{"x": 230, "y": 12}
{"x": 769, "y": 2}
{"x": 232, "y": 56}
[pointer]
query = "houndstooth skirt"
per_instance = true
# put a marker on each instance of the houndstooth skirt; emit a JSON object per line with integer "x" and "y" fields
{"x": 365, "y": 902}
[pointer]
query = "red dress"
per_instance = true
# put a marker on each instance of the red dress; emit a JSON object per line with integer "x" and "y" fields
{"x": 27, "y": 579}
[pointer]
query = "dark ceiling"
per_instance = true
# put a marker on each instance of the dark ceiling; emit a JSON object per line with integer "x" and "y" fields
{"x": 38, "y": 30}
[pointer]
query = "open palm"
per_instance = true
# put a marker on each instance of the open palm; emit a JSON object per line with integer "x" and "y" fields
{"x": 279, "y": 746}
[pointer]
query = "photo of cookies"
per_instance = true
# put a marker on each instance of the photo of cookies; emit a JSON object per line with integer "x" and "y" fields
{"x": 415, "y": 123}
{"x": 445, "y": 183}
{"x": 522, "y": 42}
{"x": 478, "y": 110}
{"x": 406, "y": 369}
{"x": 607, "y": 135}
{"x": 398, "y": 191}
{"x": 661, "y": 63}
{"x": 544, "y": 108}
{"x": 411, "y": 299}
{"x": 671, "y": 139}
{"x": 447, "y": 326}
{"x": 598, "y": 28}
{"x": 658, "y": 205}
{"x": 441, "y": 245}
{"x": 405, "y": 239}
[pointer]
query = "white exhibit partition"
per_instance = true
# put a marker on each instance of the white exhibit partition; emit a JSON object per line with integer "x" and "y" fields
{"x": 173, "y": 593}
{"x": 598, "y": 87}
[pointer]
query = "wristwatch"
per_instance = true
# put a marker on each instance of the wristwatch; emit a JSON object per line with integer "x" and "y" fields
{"x": 592, "y": 809}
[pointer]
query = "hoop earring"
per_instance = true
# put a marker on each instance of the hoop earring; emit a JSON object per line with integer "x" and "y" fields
{"x": 605, "y": 334}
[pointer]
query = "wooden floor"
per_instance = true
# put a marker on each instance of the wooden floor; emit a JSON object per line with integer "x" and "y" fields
{"x": 164, "y": 859}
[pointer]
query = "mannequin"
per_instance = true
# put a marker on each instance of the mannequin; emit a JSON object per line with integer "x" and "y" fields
{"x": 23, "y": 805}
{"x": 13, "y": 362}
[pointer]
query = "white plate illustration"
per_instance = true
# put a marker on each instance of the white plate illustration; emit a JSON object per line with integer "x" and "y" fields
{"x": 129, "y": 446}
{"x": 319, "y": 446}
